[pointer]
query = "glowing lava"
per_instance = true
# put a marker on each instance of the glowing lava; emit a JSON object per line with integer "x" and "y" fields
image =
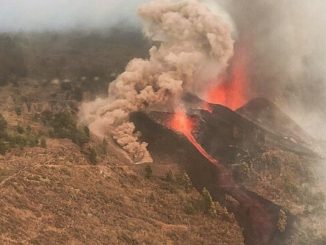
{"x": 230, "y": 89}
{"x": 185, "y": 125}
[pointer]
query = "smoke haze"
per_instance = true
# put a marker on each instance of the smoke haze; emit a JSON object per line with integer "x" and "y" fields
{"x": 285, "y": 40}
{"x": 195, "y": 50}
{"x": 36, "y": 15}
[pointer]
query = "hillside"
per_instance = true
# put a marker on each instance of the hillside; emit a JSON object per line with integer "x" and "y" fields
{"x": 60, "y": 185}
{"x": 280, "y": 173}
{"x": 83, "y": 56}
{"x": 270, "y": 117}
{"x": 54, "y": 196}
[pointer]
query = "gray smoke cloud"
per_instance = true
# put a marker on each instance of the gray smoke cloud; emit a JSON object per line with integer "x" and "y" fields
{"x": 36, "y": 15}
{"x": 193, "y": 44}
{"x": 285, "y": 41}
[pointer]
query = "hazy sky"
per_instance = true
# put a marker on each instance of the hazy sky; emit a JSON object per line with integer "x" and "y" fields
{"x": 17, "y": 15}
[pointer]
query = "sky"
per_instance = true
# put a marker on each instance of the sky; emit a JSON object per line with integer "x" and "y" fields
{"x": 286, "y": 37}
{"x": 40, "y": 15}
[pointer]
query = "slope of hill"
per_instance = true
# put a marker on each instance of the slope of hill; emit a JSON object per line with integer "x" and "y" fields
{"x": 54, "y": 196}
{"x": 75, "y": 55}
{"x": 264, "y": 162}
{"x": 270, "y": 117}
{"x": 60, "y": 192}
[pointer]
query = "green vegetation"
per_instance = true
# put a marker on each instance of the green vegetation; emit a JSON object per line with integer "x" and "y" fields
{"x": 205, "y": 204}
{"x": 64, "y": 125}
{"x": 12, "y": 60}
{"x": 148, "y": 172}
{"x": 3, "y": 123}
{"x": 208, "y": 204}
{"x": 304, "y": 194}
{"x": 282, "y": 221}
{"x": 170, "y": 176}
{"x": 20, "y": 129}
{"x": 18, "y": 111}
{"x": 185, "y": 181}
{"x": 73, "y": 57}
{"x": 241, "y": 171}
{"x": 43, "y": 143}
{"x": 19, "y": 137}
{"x": 92, "y": 156}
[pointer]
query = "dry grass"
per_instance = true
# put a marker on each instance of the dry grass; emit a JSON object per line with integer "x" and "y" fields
{"x": 53, "y": 196}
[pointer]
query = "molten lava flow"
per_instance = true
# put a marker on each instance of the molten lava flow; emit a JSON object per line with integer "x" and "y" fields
{"x": 231, "y": 88}
{"x": 185, "y": 125}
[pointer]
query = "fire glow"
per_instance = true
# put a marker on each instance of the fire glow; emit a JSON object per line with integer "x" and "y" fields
{"x": 230, "y": 89}
{"x": 182, "y": 123}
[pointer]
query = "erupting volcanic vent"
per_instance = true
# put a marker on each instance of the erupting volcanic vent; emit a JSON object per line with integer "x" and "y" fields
{"x": 182, "y": 139}
{"x": 184, "y": 124}
{"x": 230, "y": 88}
{"x": 192, "y": 43}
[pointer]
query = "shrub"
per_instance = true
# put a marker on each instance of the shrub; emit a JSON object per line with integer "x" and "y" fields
{"x": 43, "y": 143}
{"x": 92, "y": 156}
{"x": 190, "y": 208}
{"x": 22, "y": 140}
{"x": 148, "y": 172}
{"x": 3, "y": 147}
{"x": 18, "y": 111}
{"x": 15, "y": 138}
{"x": 3, "y": 123}
{"x": 207, "y": 203}
{"x": 64, "y": 125}
{"x": 78, "y": 94}
{"x": 104, "y": 147}
{"x": 241, "y": 171}
{"x": 169, "y": 176}
{"x": 282, "y": 221}
{"x": 185, "y": 181}
{"x": 214, "y": 209}
{"x": 20, "y": 129}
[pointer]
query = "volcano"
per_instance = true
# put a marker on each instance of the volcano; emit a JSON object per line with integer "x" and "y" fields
{"x": 206, "y": 143}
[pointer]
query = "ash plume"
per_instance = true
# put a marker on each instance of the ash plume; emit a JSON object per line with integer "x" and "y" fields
{"x": 193, "y": 43}
{"x": 284, "y": 40}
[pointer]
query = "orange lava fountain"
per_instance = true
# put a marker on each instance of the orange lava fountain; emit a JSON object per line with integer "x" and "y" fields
{"x": 230, "y": 90}
{"x": 185, "y": 125}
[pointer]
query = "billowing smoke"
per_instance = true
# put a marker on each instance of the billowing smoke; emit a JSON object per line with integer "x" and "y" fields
{"x": 285, "y": 42}
{"x": 193, "y": 43}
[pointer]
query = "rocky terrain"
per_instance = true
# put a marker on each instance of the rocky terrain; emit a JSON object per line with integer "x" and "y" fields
{"x": 55, "y": 196}
{"x": 61, "y": 185}
{"x": 271, "y": 176}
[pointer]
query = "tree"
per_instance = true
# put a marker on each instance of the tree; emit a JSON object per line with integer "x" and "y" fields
{"x": 148, "y": 172}
{"x": 12, "y": 63}
{"x": 92, "y": 155}
{"x": 64, "y": 125}
{"x": 185, "y": 181}
{"x": 208, "y": 204}
{"x": 3, "y": 123}
{"x": 169, "y": 176}
{"x": 18, "y": 111}
{"x": 43, "y": 143}
{"x": 282, "y": 221}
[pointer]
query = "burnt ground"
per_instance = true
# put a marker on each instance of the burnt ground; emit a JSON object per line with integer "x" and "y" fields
{"x": 227, "y": 136}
